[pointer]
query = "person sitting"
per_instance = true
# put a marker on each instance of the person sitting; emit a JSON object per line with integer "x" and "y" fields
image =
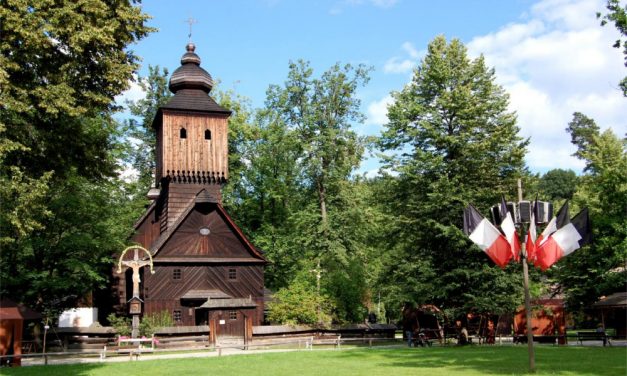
{"x": 491, "y": 333}
{"x": 463, "y": 337}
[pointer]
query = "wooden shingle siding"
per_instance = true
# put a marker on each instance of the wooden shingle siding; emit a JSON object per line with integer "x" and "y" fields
{"x": 181, "y": 195}
{"x": 187, "y": 240}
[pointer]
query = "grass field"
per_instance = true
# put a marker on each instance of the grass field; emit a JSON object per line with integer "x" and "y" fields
{"x": 477, "y": 360}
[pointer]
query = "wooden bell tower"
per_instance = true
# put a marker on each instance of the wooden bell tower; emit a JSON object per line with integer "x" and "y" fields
{"x": 206, "y": 271}
{"x": 192, "y": 144}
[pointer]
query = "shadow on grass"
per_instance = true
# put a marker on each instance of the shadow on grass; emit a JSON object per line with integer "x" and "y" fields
{"x": 498, "y": 360}
{"x": 53, "y": 370}
{"x": 479, "y": 360}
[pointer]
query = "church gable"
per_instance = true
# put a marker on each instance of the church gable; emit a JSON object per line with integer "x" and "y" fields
{"x": 205, "y": 232}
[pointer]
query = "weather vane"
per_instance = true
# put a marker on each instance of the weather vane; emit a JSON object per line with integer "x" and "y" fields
{"x": 190, "y": 21}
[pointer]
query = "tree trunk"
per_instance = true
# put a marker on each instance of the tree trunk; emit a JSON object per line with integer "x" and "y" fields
{"x": 323, "y": 204}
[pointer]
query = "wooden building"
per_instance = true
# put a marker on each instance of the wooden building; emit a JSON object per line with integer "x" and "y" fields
{"x": 548, "y": 321}
{"x": 206, "y": 271}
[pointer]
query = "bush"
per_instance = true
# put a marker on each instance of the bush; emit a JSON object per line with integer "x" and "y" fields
{"x": 298, "y": 304}
{"x": 150, "y": 323}
{"x": 122, "y": 325}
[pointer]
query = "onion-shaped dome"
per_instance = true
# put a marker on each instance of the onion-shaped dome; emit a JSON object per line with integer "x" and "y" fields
{"x": 190, "y": 75}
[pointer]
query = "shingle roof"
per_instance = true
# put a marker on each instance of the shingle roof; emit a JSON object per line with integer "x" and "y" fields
{"x": 164, "y": 237}
{"x": 194, "y": 100}
{"x": 229, "y": 303}
{"x": 618, "y": 299}
{"x": 9, "y": 310}
{"x": 191, "y": 86}
{"x": 190, "y": 75}
{"x": 205, "y": 294}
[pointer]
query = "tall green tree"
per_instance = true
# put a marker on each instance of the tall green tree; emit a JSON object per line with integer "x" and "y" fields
{"x": 322, "y": 111}
{"x": 599, "y": 269}
{"x": 267, "y": 192}
{"x": 296, "y": 192}
{"x": 61, "y": 65}
{"x": 453, "y": 142}
{"x": 582, "y": 130}
{"x": 617, "y": 14}
{"x": 558, "y": 185}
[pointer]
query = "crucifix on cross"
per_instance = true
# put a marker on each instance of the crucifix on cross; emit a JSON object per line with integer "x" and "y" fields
{"x": 190, "y": 21}
{"x": 135, "y": 264}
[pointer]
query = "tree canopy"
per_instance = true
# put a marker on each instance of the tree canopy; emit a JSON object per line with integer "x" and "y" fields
{"x": 451, "y": 141}
{"x": 337, "y": 241}
{"x": 598, "y": 269}
{"x": 618, "y": 16}
{"x": 61, "y": 65}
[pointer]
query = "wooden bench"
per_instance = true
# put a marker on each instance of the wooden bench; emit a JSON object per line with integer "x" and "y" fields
{"x": 593, "y": 336}
{"x": 131, "y": 349}
{"x": 336, "y": 341}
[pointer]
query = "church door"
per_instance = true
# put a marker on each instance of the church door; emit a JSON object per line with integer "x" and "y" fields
{"x": 229, "y": 326}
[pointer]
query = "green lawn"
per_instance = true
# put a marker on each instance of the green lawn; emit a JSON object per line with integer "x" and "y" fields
{"x": 477, "y": 360}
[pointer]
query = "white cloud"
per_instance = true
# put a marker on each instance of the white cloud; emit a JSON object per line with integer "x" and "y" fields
{"x": 378, "y": 111}
{"x": 555, "y": 63}
{"x": 405, "y": 64}
{"x": 411, "y": 50}
{"x": 398, "y": 65}
{"x": 133, "y": 93}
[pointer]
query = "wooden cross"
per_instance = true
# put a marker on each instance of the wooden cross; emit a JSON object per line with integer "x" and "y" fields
{"x": 190, "y": 21}
{"x": 135, "y": 264}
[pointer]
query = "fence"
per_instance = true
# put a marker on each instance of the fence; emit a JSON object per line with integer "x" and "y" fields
{"x": 199, "y": 347}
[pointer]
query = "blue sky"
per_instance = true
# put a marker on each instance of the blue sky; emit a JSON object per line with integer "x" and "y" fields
{"x": 551, "y": 56}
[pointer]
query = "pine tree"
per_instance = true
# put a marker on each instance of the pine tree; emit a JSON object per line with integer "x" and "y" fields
{"x": 453, "y": 142}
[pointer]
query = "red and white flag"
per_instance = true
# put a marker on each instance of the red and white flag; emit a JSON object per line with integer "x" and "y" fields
{"x": 532, "y": 234}
{"x": 565, "y": 240}
{"x": 558, "y": 221}
{"x": 486, "y": 236}
{"x": 509, "y": 229}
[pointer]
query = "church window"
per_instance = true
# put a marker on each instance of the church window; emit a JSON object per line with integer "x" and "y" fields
{"x": 176, "y": 315}
{"x": 207, "y": 134}
{"x": 183, "y": 133}
{"x": 232, "y": 274}
{"x": 233, "y": 315}
{"x": 177, "y": 274}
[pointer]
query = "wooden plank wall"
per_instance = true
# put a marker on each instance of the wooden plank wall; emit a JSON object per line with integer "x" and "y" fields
{"x": 161, "y": 292}
{"x": 161, "y": 285}
{"x": 194, "y": 153}
{"x": 148, "y": 231}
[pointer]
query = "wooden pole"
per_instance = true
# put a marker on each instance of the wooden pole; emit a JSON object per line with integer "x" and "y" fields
{"x": 532, "y": 356}
{"x": 46, "y": 327}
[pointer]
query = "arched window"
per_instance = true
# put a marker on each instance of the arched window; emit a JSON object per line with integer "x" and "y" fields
{"x": 183, "y": 133}
{"x": 207, "y": 134}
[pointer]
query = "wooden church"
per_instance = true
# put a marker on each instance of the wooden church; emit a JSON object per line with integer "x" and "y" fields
{"x": 206, "y": 271}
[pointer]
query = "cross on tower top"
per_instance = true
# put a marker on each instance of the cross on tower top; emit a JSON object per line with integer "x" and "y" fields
{"x": 190, "y": 21}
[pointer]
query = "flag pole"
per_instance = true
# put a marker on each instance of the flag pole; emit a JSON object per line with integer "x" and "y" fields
{"x": 532, "y": 356}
